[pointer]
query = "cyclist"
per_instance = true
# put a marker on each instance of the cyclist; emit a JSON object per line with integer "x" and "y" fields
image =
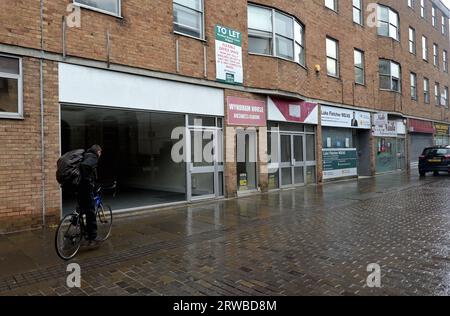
{"x": 86, "y": 190}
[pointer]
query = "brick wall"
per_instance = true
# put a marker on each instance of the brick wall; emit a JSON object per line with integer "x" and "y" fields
{"x": 20, "y": 154}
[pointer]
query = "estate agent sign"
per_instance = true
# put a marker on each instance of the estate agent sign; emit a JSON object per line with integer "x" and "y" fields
{"x": 338, "y": 117}
{"x": 339, "y": 163}
{"x": 229, "y": 68}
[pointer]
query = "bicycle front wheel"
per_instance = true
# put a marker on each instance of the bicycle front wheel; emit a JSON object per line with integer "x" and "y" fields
{"x": 104, "y": 222}
{"x": 68, "y": 237}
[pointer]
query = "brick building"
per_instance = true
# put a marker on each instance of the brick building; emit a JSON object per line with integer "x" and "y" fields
{"x": 329, "y": 89}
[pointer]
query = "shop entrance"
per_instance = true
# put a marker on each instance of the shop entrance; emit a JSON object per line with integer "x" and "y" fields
{"x": 205, "y": 172}
{"x": 292, "y": 160}
{"x": 246, "y": 160}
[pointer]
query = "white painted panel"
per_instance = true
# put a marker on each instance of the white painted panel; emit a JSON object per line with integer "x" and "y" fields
{"x": 91, "y": 86}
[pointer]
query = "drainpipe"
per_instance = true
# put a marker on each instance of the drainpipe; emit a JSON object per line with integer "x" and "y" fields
{"x": 41, "y": 84}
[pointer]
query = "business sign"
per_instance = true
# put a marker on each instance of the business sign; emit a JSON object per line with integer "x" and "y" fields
{"x": 441, "y": 129}
{"x": 296, "y": 111}
{"x": 338, "y": 163}
{"x": 229, "y": 67}
{"x": 246, "y": 112}
{"x": 418, "y": 126}
{"x": 387, "y": 130}
{"x": 337, "y": 117}
{"x": 380, "y": 119}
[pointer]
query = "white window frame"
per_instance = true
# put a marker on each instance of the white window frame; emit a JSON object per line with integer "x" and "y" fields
{"x": 413, "y": 84}
{"x": 85, "y": 6}
{"x": 19, "y": 78}
{"x": 412, "y": 41}
{"x": 336, "y": 60}
{"x": 335, "y": 5}
{"x": 426, "y": 91}
{"x": 363, "y": 69}
{"x": 202, "y": 12}
{"x": 391, "y": 62}
{"x": 360, "y": 11}
{"x": 274, "y": 35}
{"x": 389, "y": 23}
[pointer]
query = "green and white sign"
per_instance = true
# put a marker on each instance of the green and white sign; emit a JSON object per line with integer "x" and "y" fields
{"x": 229, "y": 66}
{"x": 338, "y": 163}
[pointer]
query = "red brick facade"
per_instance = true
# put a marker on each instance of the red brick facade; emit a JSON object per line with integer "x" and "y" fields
{"x": 143, "y": 38}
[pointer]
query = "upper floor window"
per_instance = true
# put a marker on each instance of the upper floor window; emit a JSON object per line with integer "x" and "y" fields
{"x": 10, "y": 87}
{"x": 423, "y": 12}
{"x": 106, "y": 6}
{"x": 411, "y": 3}
{"x": 388, "y": 22}
{"x": 413, "y": 81}
{"x": 437, "y": 93}
{"x": 188, "y": 17}
{"x": 436, "y": 55}
{"x": 444, "y": 20}
{"x": 434, "y": 20}
{"x": 271, "y": 32}
{"x": 390, "y": 75}
{"x": 359, "y": 67}
{"x": 445, "y": 61}
{"x": 332, "y": 57}
{"x": 426, "y": 90}
{"x": 331, "y": 4}
{"x": 412, "y": 41}
{"x": 424, "y": 48}
{"x": 445, "y": 97}
{"x": 357, "y": 12}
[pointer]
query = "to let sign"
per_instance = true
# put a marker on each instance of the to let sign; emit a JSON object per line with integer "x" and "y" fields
{"x": 229, "y": 67}
{"x": 246, "y": 112}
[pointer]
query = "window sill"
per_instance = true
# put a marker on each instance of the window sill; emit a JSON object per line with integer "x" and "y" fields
{"x": 84, "y": 6}
{"x": 363, "y": 85}
{"x": 11, "y": 116}
{"x": 392, "y": 91}
{"x": 190, "y": 36}
{"x": 334, "y": 77}
{"x": 280, "y": 58}
{"x": 388, "y": 37}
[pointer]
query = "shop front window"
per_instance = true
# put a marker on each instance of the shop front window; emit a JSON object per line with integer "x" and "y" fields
{"x": 337, "y": 138}
{"x": 137, "y": 149}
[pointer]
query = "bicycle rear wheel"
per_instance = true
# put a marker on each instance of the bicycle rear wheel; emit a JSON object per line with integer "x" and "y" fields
{"x": 104, "y": 222}
{"x": 68, "y": 237}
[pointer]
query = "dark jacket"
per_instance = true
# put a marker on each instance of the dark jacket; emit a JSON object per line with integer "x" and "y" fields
{"x": 88, "y": 169}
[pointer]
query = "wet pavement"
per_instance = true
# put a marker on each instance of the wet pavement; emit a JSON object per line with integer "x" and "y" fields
{"x": 316, "y": 240}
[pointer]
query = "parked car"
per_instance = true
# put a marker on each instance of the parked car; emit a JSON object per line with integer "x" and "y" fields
{"x": 434, "y": 159}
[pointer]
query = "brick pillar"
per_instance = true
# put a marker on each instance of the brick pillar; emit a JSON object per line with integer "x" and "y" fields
{"x": 319, "y": 147}
{"x": 262, "y": 160}
{"x": 230, "y": 162}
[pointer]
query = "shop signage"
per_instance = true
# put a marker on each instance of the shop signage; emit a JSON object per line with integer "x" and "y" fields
{"x": 229, "y": 67}
{"x": 296, "y": 111}
{"x": 246, "y": 112}
{"x": 337, "y": 117}
{"x": 417, "y": 126}
{"x": 380, "y": 119}
{"x": 387, "y": 130}
{"x": 441, "y": 129}
{"x": 338, "y": 163}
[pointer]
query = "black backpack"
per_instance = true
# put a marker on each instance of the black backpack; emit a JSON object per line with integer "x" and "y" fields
{"x": 68, "y": 168}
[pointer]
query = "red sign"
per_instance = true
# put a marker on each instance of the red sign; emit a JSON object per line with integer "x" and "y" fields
{"x": 294, "y": 111}
{"x": 416, "y": 126}
{"x": 246, "y": 112}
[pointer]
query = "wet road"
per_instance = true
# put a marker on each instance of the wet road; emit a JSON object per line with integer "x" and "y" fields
{"x": 309, "y": 241}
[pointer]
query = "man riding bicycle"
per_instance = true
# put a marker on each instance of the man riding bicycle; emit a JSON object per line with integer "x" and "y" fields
{"x": 86, "y": 190}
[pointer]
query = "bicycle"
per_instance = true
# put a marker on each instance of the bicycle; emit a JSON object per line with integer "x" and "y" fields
{"x": 72, "y": 228}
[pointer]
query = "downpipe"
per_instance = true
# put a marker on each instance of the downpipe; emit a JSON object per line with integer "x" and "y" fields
{"x": 41, "y": 87}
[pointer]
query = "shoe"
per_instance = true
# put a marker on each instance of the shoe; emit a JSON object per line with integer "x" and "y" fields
{"x": 94, "y": 242}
